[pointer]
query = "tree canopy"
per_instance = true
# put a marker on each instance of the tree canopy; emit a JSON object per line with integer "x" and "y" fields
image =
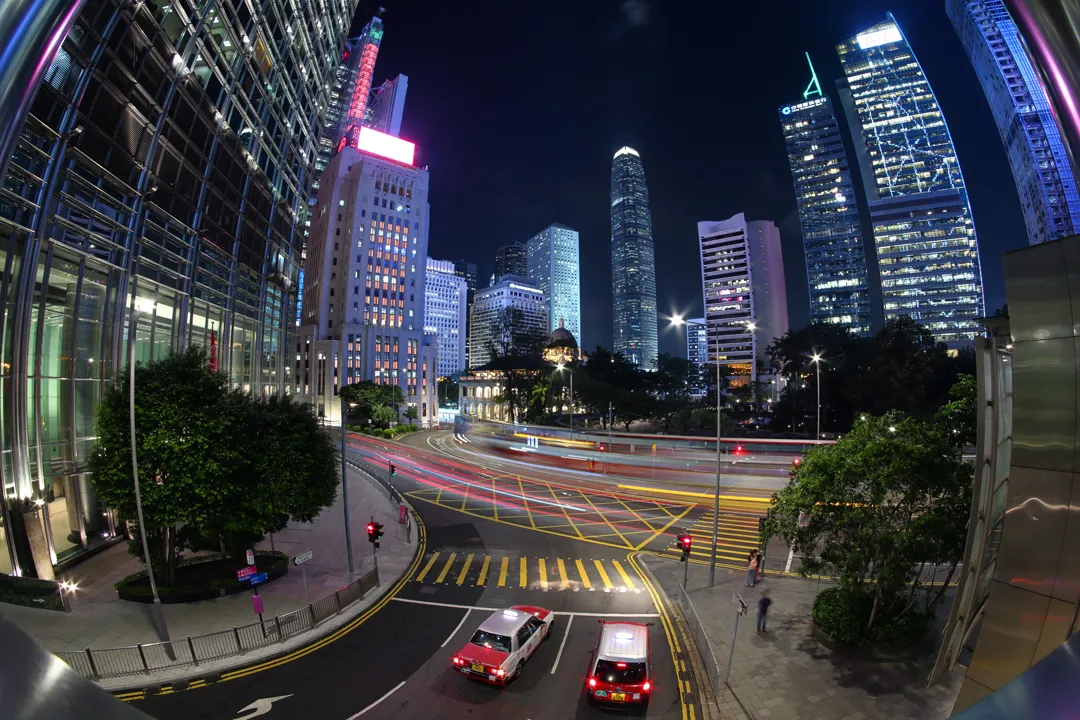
{"x": 214, "y": 463}
{"x": 363, "y": 400}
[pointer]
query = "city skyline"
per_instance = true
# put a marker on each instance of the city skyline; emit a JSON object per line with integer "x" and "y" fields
{"x": 686, "y": 187}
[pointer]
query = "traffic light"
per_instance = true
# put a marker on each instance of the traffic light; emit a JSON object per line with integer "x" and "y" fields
{"x": 685, "y": 541}
{"x": 374, "y": 532}
{"x": 393, "y": 469}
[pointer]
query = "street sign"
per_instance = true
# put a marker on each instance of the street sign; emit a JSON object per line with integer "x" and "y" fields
{"x": 402, "y": 514}
{"x": 303, "y": 558}
{"x": 737, "y": 601}
{"x": 250, "y": 557}
{"x": 245, "y": 572}
{"x": 258, "y": 579}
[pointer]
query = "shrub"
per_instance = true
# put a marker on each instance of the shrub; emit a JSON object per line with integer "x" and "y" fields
{"x": 842, "y": 614}
{"x": 902, "y": 631}
{"x": 414, "y": 428}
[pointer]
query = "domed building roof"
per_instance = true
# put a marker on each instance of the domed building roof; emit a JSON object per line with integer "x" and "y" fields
{"x": 561, "y": 337}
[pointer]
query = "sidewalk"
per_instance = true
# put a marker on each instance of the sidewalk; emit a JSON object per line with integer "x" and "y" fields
{"x": 786, "y": 674}
{"x": 99, "y": 619}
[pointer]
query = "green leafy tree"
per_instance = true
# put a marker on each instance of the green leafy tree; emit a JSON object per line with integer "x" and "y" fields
{"x": 411, "y": 413}
{"x": 889, "y": 498}
{"x": 382, "y": 416}
{"x": 362, "y": 399}
{"x": 959, "y": 416}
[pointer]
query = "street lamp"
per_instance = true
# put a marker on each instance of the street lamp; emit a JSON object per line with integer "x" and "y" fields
{"x": 678, "y": 320}
{"x": 560, "y": 368}
{"x": 137, "y": 309}
{"x": 345, "y": 483}
{"x": 816, "y": 360}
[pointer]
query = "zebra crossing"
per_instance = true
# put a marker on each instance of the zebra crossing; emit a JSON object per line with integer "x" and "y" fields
{"x": 533, "y": 573}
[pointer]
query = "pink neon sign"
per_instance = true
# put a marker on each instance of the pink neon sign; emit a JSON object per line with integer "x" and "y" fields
{"x": 387, "y": 146}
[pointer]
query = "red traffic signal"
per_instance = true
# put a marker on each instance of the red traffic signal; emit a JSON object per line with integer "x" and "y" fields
{"x": 374, "y": 532}
{"x": 685, "y": 541}
{"x": 796, "y": 461}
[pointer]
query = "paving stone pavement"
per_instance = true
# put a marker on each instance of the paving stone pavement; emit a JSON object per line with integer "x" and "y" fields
{"x": 786, "y": 674}
{"x": 99, "y": 619}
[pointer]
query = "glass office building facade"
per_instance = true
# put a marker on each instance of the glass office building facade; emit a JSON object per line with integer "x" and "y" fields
{"x": 633, "y": 263}
{"x": 1040, "y": 164}
{"x": 166, "y": 164}
{"x": 828, "y": 215}
{"x": 553, "y": 266}
{"x": 928, "y": 256}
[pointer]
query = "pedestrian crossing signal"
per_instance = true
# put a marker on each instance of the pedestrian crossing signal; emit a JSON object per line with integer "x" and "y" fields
{"x": 685, "y": 541}
{"x": 393, "y": 469}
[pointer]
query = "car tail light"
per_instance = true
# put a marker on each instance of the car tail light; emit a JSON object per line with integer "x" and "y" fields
{"x": 500, "y": 672}
{"x": 592, "y": 682}
{"x": 622, "y": 665}
{"x": 647, "y": 687}
{"x": 457, "y": 660}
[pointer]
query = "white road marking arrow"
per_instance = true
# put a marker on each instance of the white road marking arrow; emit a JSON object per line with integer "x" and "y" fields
{"x": 259, "y": 707}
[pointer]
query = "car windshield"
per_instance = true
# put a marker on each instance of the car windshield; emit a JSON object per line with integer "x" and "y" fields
{"x": 620, "y": 672}
{"x": 491, "y": 640}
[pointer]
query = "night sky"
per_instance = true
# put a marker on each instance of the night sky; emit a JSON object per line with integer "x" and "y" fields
{"x": 518, "y": 107}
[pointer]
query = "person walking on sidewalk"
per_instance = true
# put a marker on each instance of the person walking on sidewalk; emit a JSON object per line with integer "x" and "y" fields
{"x": 751, "y": 568}
{"x": 762, "y": 611}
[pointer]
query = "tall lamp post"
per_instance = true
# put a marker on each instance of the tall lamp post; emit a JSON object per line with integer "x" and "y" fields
{"x": 816, "y": 360}
{"x": 345, "y": 483}
{"x": 133, "y": 324}
{"x": 560, "y": 367}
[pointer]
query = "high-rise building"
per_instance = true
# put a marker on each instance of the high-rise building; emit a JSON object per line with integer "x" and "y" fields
{"x": 487, "y": 309}
{"x": 468, "y": 271}
{"x": 742, "y": 272}
{"x": 365, "y": 280}
{"x": 386, "y": 105}
{"x": 554, "y": 268}
{"x": 697, "y": 352}
{"x": 511, "y": 260}
{"x": 1040, "y": 164}
{"x": 156, "y": 174}
{"x": 445, "y": 308}
{"x": 832, "y": 236}
{"x": 928, "y": 257}
{"x": 633, "y": 263}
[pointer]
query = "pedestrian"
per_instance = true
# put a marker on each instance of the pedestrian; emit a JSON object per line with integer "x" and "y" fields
{"x": 751, "y": 568}
{"x": 763, "y": 611}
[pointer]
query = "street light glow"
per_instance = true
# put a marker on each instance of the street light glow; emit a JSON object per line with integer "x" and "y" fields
{"x": 751, "y": 326}
{"x": 815, "y": 358}
{"x": 677, "y": 320}
{"x": 559, "y": 366}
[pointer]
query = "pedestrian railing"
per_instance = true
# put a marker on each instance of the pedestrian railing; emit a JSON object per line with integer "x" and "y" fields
{"x": 705, "y": 646}
{"x": 146, "y": 658}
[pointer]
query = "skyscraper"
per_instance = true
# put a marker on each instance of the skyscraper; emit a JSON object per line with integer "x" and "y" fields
{"x": 1040, "y": 165}
{"x": 553, "y": 267}
{"x": 484, "y": 317}
{"x": 928, "y": 257}
{"x": 445, "y": 296}
{"x": 832, "y": 237}
{"x": 365, "y": 279}
{"x": 742, "y": 273}
{"x": 633, "y": 264}
{"x": 386, "y": 105}
{"x": 697, "y": 352}
{"x": 511, "y": 260}
{"x": 156, "y": 175}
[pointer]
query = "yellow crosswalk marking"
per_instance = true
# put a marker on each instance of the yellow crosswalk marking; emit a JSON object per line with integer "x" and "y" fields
{"x": 464, "y": 570}
{"x": 502, "y": 571}
{"x": 524, "y": 574}
{"x": 427, "y": 568}
{"x": 446, "y": 567}
{"x": 584, "y": 576}
{"x": 625, "y": 577}
{"x": 603, "y": 575}
{"x": 543, "y": 573}
{"x": 564, "y": 581}
{"x": 483, "y": 571}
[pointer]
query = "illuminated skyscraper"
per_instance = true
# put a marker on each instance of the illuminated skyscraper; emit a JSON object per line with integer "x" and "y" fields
{"x": 633, "y": 264}
{"x": 553, "y": 267}
{"x": 511, "y": 260}
{"x": 1040, "y": 165}
{"x": 445, "y": 295}
{"x": 166, "y": 169}
{"x": 928, "y": 257}
{"x": 832, "y": 237}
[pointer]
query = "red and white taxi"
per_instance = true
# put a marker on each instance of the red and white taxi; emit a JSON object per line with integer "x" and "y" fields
{"x": 621, "y": 667}
{"x": 499, "y": 648}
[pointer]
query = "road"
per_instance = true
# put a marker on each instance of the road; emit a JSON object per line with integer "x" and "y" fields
{"x": 484, "y": 550}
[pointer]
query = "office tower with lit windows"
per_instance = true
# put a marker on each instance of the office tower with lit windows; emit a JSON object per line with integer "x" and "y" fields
{"x": 158, "y": 173}
{"x": 553, "y": 264}
{"x": 445, "y": 307}
{"x": 365, "y": 278}
{"x": 742, "y": 272}
{"x": 487, "y": 311}
{"x": 697, "y": 352}
{"x": 1040, "y": 164}
{"x": 511, "y": 260}
{"x": 633, "y": 263}
{"x": 928, "y": 256}
{"x": 832, "y": 236}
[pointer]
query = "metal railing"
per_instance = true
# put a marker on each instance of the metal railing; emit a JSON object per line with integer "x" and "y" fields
{"x": 144, "y": 659}
{"x": 704, "y": 645}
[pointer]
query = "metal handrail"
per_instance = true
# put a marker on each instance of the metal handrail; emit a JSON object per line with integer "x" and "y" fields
{"x": 144, "y": 658}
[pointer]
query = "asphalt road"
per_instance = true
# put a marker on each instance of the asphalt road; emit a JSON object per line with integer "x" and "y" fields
{"x": 397, "y": 663}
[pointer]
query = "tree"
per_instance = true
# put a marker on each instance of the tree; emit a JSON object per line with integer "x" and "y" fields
{"x": 890, "y": 497}
{"x": 211, "y": 459}
{"x": 411, "y": 413}
{"x": 363, "y": 398}
{"x": 959, "y": 416}
{"x": 382, "y": 416}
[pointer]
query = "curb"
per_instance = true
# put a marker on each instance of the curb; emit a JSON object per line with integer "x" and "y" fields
{"x": 146, "y": 684}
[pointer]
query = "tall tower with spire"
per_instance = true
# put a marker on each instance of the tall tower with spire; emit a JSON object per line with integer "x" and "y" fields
{"x": 828, "y": 215}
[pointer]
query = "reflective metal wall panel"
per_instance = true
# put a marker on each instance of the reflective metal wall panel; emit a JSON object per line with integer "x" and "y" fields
{"x": 1034, "y": 529}
{"x": 1038, "y": 293}
{"x": 1044, "y": 403}
{"x": 1055, "y": 628}
{"x": 1010, "y": 633}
